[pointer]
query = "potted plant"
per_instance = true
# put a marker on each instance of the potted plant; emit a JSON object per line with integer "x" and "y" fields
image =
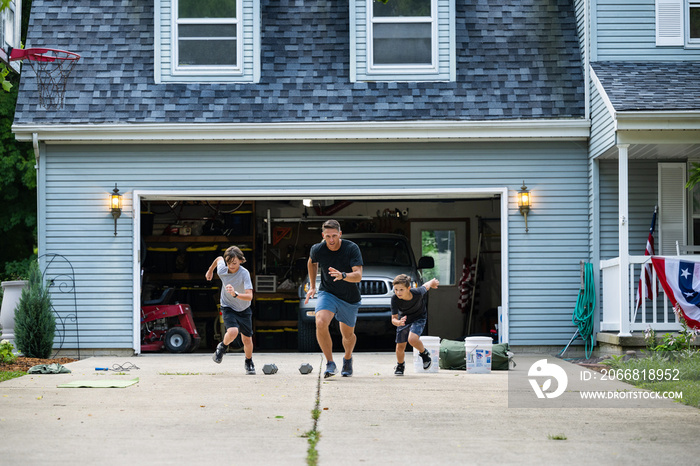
{"x": 13, "y": 282}
{"x": 11, "y": 292}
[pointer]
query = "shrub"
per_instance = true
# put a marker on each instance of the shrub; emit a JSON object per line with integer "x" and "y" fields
{"x": 6, "y": 354}
{"x": 35, "y": 324}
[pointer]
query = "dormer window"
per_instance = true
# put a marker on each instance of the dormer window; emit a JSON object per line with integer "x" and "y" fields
{"x": 402, "y": 40}
{"x": 212, "y": 41}
{"x": 206, "y": 34}
{"x": 402, "y": 35}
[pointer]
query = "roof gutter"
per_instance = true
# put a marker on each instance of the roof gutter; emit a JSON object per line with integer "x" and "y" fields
{"x": 660, "y": 127}
{"x": 658, "y": 120}
{"x": 373, "y": 131}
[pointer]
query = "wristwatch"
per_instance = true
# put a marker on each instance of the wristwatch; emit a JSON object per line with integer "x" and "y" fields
{"x": 344, "y": 275}
{"x": 235, "y": 294}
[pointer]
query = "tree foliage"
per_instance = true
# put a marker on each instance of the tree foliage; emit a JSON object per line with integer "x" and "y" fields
{"x": 694, "y": 176}
{"x": 35, "y": 324}
{"x": 5, "y": 83}
{"x": 18, "y": 218}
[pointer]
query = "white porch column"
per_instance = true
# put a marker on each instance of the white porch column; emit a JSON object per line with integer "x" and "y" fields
{"x": 623, "y": 240}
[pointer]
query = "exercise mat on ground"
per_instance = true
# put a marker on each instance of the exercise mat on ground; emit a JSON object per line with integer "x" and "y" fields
{"x": 99, "y": 383}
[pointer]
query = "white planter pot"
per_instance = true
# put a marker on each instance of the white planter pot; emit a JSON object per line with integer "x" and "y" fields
{"x": 10, "y": 298}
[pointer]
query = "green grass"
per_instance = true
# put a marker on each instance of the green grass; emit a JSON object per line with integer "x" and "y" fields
{"x": 312, "y": 453}
{"x": 556, "y": 437}
{"x": 683, "y": 366}
{"x": 11, "y": 375}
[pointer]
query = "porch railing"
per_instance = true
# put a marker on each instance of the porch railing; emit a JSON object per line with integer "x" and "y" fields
{"x": 656, "y": 313}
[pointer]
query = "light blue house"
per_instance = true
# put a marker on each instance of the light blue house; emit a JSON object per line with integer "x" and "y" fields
{"x": 443, "y": 111}
{"x": 643, "y": 62}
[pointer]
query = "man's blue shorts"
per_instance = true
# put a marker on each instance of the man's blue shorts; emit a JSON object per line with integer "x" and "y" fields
{"x": 344, "y": 312}
{"x": 416, "y": 327}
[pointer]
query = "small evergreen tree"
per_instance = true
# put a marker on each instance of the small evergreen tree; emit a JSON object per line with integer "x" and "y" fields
{"x": 35, "y": 324}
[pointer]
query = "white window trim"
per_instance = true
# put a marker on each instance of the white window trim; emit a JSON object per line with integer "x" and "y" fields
{"x": 208, "y": 70}
{"x": 672, "y": 222}
{"x": 403, "y": 69}
{"x": 672, "y": 19}
{"x": 690, "y": 42}
{"x": 10, "y": 17}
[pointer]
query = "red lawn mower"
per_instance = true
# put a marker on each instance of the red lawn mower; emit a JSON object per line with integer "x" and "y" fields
{"x": 168, "y": 326}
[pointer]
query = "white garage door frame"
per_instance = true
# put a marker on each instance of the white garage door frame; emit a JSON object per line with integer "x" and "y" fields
{"x": 350, "y": 194}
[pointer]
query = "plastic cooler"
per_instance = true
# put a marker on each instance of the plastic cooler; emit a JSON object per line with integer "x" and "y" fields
{"x": 200, "y": 258}
{"x": 269, "y": 308}
{"x": 270, "y": 338}
{"x": 238, "y": 223}
{"x": 160, "y": 260}
{"x": 291, "y": 307}
{"x": 290, "y": 335}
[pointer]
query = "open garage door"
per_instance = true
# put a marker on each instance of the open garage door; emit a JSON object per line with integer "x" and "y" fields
{"x": 180, "y": 233}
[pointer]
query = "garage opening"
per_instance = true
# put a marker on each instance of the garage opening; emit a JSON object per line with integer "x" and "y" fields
{"x": 180, "y": 235}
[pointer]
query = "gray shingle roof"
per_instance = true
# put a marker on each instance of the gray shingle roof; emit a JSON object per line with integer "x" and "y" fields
{"x": 516, "y": 59}
{"x": 650, "y": 86}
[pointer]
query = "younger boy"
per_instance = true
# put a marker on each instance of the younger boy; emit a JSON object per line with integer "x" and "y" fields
{"x": 236, "y": 296}
{"x": 409, "y": 314}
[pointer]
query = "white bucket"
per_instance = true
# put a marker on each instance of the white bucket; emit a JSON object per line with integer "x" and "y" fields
{"x": 432, "y": 344}
{"x": 477, "y": 350}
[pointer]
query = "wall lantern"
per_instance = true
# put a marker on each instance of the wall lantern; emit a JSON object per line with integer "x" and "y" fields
{"x": 524, "y": 199}
{"x": 116, "y": 206}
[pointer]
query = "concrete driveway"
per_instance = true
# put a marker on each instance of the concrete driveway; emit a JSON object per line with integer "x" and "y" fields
{"x": 185, "y": 409}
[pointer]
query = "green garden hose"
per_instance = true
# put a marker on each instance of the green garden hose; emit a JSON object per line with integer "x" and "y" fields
{"x": 583, "y": 314}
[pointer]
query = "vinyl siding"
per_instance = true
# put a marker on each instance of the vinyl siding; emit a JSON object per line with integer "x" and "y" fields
{"x": 543, "y": 268}
{"x": 625, "y": 30}
{"x": 643, "y": 196}
{"x": 602, "y": 123}
{"x": 580, "y": 7}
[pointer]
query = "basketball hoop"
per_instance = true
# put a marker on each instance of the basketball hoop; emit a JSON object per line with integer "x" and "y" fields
{"x": 52, "y": 68}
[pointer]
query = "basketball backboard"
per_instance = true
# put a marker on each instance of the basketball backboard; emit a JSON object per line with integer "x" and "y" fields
{"x": 10, "y": 31}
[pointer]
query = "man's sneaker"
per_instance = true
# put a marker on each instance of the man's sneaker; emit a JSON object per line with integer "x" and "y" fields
{"x": 219, "y": 353}
{"x": 398, "y": 370}
{"x": 249, "y": 367}
{"x": 331, "y": 370}
{"x": 347, "y": 368}
{"x": 427, "y": 360}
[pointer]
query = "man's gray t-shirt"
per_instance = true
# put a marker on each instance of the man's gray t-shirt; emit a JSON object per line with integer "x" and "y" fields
{"x": 240, "y": 281}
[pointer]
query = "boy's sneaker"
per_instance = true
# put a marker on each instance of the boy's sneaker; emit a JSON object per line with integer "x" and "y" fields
{"x": 347, "y": 368}
{"x": 249, "y": 367}
{"x": 398, "y": 370}
{"x": 219, "y": 353}
{"x": 331, "y": 370}
{"x": 427, "y": 360}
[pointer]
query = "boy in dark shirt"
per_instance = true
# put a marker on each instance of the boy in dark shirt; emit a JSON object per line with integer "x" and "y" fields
{"x": 409, "y": 314}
